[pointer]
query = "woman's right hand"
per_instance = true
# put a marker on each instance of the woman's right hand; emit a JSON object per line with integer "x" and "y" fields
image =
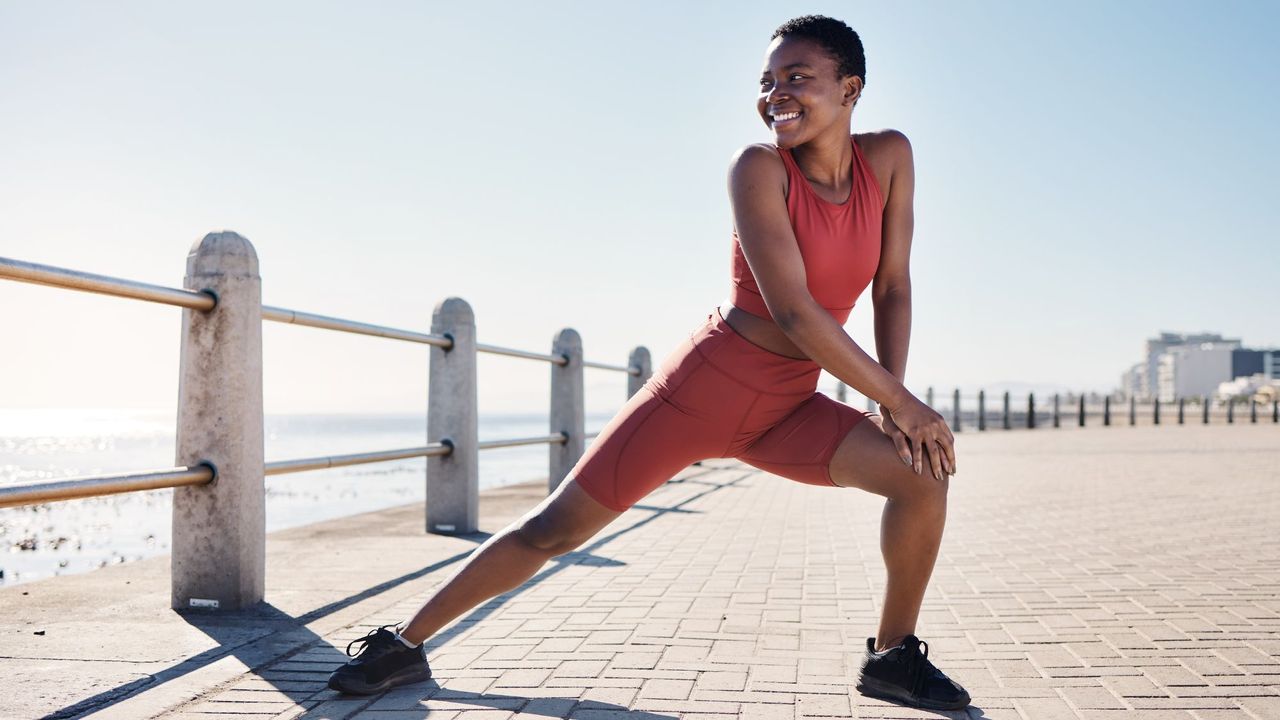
{"x": 926, "y": 431}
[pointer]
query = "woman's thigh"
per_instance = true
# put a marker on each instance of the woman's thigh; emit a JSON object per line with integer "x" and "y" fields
{"x": 800, "y": 445}
{"x": 825, "y": 442}
{"x": 866, "y": 459}
{"x": 688, "y": 411}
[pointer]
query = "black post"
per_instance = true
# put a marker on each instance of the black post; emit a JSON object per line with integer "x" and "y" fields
{"x": 928, "y": 396}
{"x": 1031, "y": 411}
{"x": 1133, "y": 410}
{"x": 982, "y": 410}
{"x": 1081, "y": 409}
{"x": 955, "y": 411}
{"x": 1231, "y": 410}
{"x": 1106, "y": 411}
{"x": 1181, "y": 403}
{"x": 1006, "y": 410}
{"x": 1204, "y": 408}
{"x": 1253, "y": 410}
{"x": 1056, "y": 422}
{"x": 1155, "y": 412}
{"x": 1275, "y": 411}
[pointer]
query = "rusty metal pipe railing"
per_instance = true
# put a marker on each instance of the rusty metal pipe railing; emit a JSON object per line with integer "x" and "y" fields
{"x": 94, "y": 486}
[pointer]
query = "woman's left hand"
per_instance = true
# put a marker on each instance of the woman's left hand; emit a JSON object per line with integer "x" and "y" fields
{"x": 890, "y": 428}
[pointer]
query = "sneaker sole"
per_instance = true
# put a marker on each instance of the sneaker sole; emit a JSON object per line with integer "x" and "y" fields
{"x": 872, "y": 687}
{"x": 396, "y": 679}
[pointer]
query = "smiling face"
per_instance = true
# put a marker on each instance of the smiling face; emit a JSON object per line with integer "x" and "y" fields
{"x": 801, "y": 93}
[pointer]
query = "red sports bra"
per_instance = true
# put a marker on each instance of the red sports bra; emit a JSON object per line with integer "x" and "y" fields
{"x": 840, "y": 244}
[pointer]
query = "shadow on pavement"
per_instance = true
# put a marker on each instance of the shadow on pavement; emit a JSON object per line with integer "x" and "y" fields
{"x": 262, "y": 637}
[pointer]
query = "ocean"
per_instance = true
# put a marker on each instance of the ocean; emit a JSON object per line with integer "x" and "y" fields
{"x": 81, "y": 535}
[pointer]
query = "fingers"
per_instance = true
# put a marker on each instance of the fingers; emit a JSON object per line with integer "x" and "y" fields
{"x": 917, "y": 450}
{"x": 904, "y": 447}
{"x": 935, "y": 461}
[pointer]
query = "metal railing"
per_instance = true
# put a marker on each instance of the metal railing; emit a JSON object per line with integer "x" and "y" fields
{"x": 219, "y": 489}
{"x": 94, "y": 486}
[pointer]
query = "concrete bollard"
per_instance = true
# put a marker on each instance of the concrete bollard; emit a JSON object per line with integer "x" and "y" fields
{"x": 219, "y": 529}
{"x": 1081, "y": 409}
{"x": 453, "y": 480}
{"x": 1031, "y": 411}
{"x": 1155, "y": 412}
{"x": 1204, "y": 409}
{"x": 639, "y": 359}
{"x": 982, "y": 410}
{"x": 567, "y": 414}
{"x": 1106, "y": 411}
{"x": 1133, "y": 410}
{"x": 1057, "y": 415}
{"x": 1006, "y": 422}
{"x": 955, "y": 410}
{"x": 1181, "y": 407}
{"x": 1231, "y": 410}
{"x": 1253, "y": 410}
{"x": 1275, "y": 411}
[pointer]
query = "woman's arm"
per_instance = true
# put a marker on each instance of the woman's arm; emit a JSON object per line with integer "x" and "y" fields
{"x": 891, "y": 290}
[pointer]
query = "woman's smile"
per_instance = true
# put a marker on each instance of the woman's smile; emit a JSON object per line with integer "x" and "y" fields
{"x": 786, "y": 119}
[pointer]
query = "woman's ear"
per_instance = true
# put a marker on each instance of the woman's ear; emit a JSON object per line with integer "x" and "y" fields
{"x": 852, "y": 89}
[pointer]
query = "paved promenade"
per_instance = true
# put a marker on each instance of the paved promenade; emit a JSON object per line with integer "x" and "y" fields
{"x": 1096, "y": 573}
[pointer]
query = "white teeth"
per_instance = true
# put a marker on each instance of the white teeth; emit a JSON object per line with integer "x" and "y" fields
{"x": 786, "y": 116}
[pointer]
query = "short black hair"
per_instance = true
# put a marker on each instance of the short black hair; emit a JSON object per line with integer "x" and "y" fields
{"x": 834, "y": 36}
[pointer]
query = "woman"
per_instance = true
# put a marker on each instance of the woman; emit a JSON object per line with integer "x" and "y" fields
{"x": 818, "y": 215}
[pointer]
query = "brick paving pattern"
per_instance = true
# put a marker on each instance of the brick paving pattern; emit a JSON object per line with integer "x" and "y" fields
{"x": 1092, "y": 574}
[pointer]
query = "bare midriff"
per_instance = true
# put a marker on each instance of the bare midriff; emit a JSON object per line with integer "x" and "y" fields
{"x": 761, "y": 331}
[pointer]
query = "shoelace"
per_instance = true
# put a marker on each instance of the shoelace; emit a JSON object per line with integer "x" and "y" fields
{"x": 917, "y": 661}
{"x": 367, "y": 641}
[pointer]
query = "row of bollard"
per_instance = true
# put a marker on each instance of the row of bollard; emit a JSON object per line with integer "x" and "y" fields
{"x": 1006, "y": 414}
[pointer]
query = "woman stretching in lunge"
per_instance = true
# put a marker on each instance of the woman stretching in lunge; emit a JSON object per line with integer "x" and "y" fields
{"x": 818, "y": 215}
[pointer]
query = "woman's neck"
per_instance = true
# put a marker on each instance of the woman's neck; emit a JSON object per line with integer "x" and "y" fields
{"x": 825, "y": 159}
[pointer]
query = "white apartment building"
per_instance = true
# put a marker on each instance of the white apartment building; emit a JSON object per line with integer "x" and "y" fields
{"x": 1193, "y": 370}
{"x": 1157, "y": 346}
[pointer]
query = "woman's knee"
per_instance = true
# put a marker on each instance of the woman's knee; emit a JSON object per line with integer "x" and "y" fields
{"x": 922, "y": 486}
{"x": 553, "y": 538}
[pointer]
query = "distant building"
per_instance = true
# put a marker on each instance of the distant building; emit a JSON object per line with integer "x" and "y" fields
{"x": 1194, "y": 370}
{"x": 1149, "y": 374}
{"x": 1133, "y": 382}
{"x": 1253, "y": 362}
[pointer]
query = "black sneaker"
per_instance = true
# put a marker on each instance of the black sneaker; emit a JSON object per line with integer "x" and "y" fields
{"x": 382, "y": 664}
{"x": 904, "y": 673}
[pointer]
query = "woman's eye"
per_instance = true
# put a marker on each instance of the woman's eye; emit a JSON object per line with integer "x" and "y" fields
{"x": 797, "y": 77}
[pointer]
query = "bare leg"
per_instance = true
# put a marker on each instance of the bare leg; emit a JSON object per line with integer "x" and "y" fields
{"x": 910, "y": 527}
{"x": 560, "y": 523}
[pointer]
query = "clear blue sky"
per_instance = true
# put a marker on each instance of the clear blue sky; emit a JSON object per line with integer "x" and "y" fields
{"x": 1089, "y": 174}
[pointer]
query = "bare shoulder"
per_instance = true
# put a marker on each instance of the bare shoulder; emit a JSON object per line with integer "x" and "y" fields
{"x": 888, "y": 152}
{"x": 888, "y": 147}
{"x": 756, "y": 158}
{"x": 757, "y": 164}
